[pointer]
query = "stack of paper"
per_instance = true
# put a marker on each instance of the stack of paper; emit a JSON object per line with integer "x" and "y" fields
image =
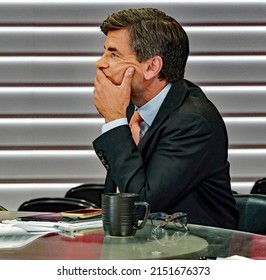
{"x": 48, "y": 227}
{"x": 19, "y": 232}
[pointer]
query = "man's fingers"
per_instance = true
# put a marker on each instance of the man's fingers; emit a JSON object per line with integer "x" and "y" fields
{"x": 101, "y": 80}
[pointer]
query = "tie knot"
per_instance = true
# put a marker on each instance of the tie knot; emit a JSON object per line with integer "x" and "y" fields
{"x": 135, "y": 119}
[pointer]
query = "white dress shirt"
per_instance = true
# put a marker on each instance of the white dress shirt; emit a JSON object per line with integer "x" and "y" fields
{"x": 147, "y": 112}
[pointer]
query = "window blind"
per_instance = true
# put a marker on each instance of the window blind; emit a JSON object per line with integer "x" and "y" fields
{"x": 47, "y": 118}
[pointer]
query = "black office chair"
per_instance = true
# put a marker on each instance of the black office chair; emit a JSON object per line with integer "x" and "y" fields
{"x": 90, "y": 192}
{"x": 252, "y": 210}
{"x": 55, "y": 204}
{"x": 259, "y": 187}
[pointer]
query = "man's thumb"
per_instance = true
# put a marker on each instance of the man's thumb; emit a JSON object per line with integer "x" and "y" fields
{"x": 129, "y": 72}
{"x": 126, "y": 83}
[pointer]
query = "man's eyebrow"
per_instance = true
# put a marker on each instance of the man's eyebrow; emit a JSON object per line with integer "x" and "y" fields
{"x": 112, "y": 49}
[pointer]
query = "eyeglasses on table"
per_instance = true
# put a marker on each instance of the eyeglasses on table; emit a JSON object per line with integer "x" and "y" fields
{"x": 160, "y": 220}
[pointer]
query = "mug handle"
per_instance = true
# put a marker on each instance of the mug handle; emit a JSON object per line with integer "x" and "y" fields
{"x": 147, "y": 212}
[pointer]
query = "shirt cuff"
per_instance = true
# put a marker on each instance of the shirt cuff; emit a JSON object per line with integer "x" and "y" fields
{"x": 108, "y": 126}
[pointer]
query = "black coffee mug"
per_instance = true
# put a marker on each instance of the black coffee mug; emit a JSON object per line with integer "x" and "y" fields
{"x": 120, "y": 213}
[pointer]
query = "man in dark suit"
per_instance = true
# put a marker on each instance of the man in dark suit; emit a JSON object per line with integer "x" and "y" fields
{"x": 180, "y": 162}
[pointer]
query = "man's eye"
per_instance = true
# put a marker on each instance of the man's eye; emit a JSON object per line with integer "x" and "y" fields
{"x": 113, "y": 55}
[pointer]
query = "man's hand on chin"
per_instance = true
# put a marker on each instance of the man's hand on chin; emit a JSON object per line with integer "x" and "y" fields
{"x": 112, "y": 100}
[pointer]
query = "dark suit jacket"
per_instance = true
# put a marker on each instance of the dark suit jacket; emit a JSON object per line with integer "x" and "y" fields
{"x": 181, "y": 162}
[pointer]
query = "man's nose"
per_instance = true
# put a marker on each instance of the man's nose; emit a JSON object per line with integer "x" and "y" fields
{"x": 101, "y": 63}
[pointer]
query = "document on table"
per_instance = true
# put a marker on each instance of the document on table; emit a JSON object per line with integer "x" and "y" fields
{"x": 30, "y": 227}
{"x": 16, "y": 233}
{"x": 14, "y": 237}
{"x": 39, "y": 226}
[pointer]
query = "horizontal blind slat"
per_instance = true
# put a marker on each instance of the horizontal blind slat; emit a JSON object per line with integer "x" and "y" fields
{"x": 82, "y": 69}
{"x": 95, "y": 12}
{"x": 81, "y": 132}
{"x": 79, "y": 100}
{"x": 76, "y": 40}
{"x": 86, "y": 165}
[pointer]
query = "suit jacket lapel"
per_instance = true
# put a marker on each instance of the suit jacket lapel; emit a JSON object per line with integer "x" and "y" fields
{"x": 173, "y": 100}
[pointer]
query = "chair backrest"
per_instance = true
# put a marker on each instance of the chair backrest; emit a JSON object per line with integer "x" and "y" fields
{"x": 90, "y": 192}
{"x": 252, "y": 211}
{"x": 55, "y": 204}
{"x": 259, "y": 186}
{"x": 2, "y": 208}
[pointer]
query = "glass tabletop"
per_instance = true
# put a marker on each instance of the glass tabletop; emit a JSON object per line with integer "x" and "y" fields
{"x": 199, "y": 242}
{"x": 165, "y": 243}
{"x": 223, "y": 243}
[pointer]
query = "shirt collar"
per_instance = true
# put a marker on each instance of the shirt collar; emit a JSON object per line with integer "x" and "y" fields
{"x": 149, "y": 110}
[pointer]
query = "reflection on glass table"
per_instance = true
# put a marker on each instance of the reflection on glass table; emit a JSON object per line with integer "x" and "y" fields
{"x": 164, "y": 243}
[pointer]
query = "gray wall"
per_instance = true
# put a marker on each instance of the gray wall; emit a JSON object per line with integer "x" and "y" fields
{"x": 47, "y": 117}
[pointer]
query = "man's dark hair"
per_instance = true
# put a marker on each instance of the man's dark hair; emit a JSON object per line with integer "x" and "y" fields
{"x": 152, "y": 33}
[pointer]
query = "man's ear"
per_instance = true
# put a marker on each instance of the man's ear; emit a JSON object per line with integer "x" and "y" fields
{"x": 153, "y": 66}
